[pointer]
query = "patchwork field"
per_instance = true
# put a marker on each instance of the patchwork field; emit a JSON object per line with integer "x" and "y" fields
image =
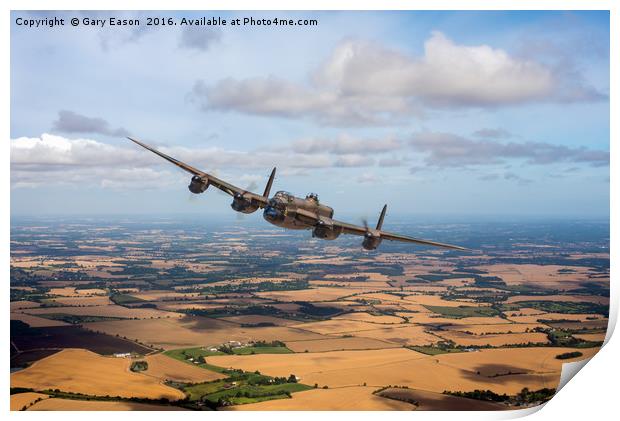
{"x": 191, "y": 331}
{"x": 212, "y": 316}
{"x": 501, "y": 370}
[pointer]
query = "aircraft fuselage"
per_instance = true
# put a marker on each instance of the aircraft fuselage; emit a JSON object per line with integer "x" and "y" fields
{"x": 283, "y": 207}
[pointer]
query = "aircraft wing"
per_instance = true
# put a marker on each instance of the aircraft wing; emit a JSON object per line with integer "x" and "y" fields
{"x": 213, "y": 181}
{"x": 359, "y": 230}
{"x": 406, "y": 239}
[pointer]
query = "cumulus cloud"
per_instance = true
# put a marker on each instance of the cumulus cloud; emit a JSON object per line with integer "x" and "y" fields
{"x": 450, "y": 150}
{"x": 51, "y": 158}
{"x": 199, "y": 38}
{"x": 367, "y": 83}
{"x": 72, "y": 122}
{"x": 346, "y": 145}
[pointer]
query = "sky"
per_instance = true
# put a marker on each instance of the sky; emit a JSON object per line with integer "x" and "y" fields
{"x": 434, "y": 113}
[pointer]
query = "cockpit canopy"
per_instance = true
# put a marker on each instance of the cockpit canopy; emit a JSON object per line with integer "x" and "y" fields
{"x": 283, "y": 195}
{"x": 313, "y": 196}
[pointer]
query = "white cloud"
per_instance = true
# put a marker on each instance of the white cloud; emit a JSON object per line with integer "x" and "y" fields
{"x": 367, "y": 83}
{"x": 56, "y": 159}
{"x": 346, "y": 145}
{"x": 450, "y": 150}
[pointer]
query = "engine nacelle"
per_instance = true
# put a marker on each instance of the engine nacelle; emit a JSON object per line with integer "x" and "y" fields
{"x": 198, "y": 185}
{"x": 326, "y": 232}
{"x": 243, "y": 205}
{"x": 371, "y": 242}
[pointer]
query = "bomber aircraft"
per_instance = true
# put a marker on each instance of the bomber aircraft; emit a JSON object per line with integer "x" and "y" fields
{"x": 287, "y": 211}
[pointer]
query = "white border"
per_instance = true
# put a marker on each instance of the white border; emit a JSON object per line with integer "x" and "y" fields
{"x": 594, "y": 391}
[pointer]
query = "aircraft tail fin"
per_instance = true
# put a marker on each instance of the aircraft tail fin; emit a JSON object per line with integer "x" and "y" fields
{"x": 381, "y": 217}
{"x": 269, "y": 183}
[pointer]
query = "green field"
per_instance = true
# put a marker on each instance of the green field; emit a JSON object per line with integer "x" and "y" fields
{"x": 186, "y": 353}
{"x": 243, "y": 388}
{"x": 568, "y": 307}
{"x": 197, "y": 353}
{"x": 239, "y": 387}
{"x": 262, "y": 350}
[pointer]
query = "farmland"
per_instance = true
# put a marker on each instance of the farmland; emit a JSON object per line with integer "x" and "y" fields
{"x": 80, "y": 371}
{"x": 292, "y": 323}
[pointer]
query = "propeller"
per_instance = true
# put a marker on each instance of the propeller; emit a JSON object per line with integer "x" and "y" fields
{"x": 251, "y": 187}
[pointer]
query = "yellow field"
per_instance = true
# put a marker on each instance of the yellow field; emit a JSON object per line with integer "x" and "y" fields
{"x": 91, "y": 291}
{"x": 73, "y": 292}
{"x": 17, "y": 305}
{"x": 191, "y": 331}
{"x": 338, "y": 344}
{"x": 400, "y": 334}
{"x": 34, "y": 321}
{"x": 21, "y": 400}
{"x": 105, "y": 310}
{"x": 166, "y": 368}
{"x": 337, "y": 326}
{"x": 55, "y": 404}
{"x": 64, "y": 292}
{"x": 461, "y": 338}
{"x": 97, "y": 300}
{"x": 524, "y": 311}
{"x": 366, "y": 317}
{"x": 82, "y": 371}
{"x": 485, "y": 369}
{"x": 342, "y": 399}
{"x": 548, "y": 276}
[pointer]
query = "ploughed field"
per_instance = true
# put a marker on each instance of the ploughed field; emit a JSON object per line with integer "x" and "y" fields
{"x": 132, "y": 324}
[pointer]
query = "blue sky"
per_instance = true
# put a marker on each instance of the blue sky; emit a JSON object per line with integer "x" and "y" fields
{"x": 455, "y": 113}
